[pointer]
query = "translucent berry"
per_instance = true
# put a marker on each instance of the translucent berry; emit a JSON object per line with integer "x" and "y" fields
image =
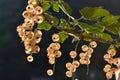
{"x": 93, "y": 44}
{"x": 58, "y": 54}
{"x": 107, "y": 68}
{"x": 112, "y": 52}
{"x": 75, "y": 64}
{"x": 39, "y": 19}
{"x": 55, "y": 37}
{"x": 35, "y": 49}
{"x": 29, "y": 8}
{"x": 90, "y": 51}
{"x": 38, "y": 10}
{"x": 50, "y": 72}
{"x": 69, "y": 66}
{"x": 73, "y": 54}
{"x": 69, "y": 74}
{"x": 29, "y": 58}
{"x": 109, "y": 75}
{"x": 82, "y": 55}
{"x": 84, "y": 48}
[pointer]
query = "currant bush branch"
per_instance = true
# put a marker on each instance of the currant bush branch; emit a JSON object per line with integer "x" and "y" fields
{"x": 80, "y": 36}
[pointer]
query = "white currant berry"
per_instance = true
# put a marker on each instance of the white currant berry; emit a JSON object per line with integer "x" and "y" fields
{"x": 73, "y": 54}
{"x": 50, "y": 72}
{"x": 112, "y": 52}
{"x": 69, "y": 74}
{"x": 84, "y": 48}
{"x": 55, "y": 37}
{"x": 30, "y": 58}
{"x": 93, "y": 44}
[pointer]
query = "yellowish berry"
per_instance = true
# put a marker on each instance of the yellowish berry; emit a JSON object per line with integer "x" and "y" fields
{"x": 38, "y": 10}
{"x": 50, "y": 72}
{"x": 38, "y": 19}
{"x": 109, "y": 75}
{"x": 84, "y": 48}
{"x": 35, "y": 49}
{"x": 69, "y": 74}
{"x": 75, "y": 64}
{"x": 93, "y": 44}
{"x": 69, "y": 66}
{"x": 55, "y": 37}
{"x": 29, "y": 58}
{"x": 112, "y": 52}
{"x": 73, "y": 54}
{"x": 107, "y": 68}
{"x": 58, "y": 53}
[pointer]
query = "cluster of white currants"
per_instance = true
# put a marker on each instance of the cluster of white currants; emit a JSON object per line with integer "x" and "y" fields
{"x": 71, "y": 67}
{"x": 53, "y": 52}
{"x": 86, "y": 55}
{"x": 109, "y": 69}
{"x": 32, "y": 15}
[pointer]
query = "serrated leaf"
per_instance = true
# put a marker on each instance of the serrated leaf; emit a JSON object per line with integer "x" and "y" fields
{"x": 51, "y": 18}
{"x": 110, "y": 19}
{"x": 45, "y": 6}
{"x": 93, "y": 13}
{"x": 67, "y": 8}
{"x": 87, "y": 34}
{"x": 117, "y": 45}
{"x": 106, "y": 36}
{"x": 44, "y": 26}
{"x": 63, "y": 36}
{"x": 114, "y": 28}
{"x": 55, "y": 6}
{"x": 62, "y": 22}
{"x": 91, "y": 28}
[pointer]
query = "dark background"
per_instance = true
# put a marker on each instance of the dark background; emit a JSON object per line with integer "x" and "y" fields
{"x": 13, "y": 63}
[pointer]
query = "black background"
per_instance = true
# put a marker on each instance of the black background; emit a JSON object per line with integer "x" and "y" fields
{"x": 13, "y": 63}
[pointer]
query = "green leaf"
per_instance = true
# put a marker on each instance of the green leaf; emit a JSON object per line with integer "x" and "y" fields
{"x": 93, "y": 13}
{"x": 63, "y": 36}
{"x": 62, "y": 22}
{"x": 44, "y": 26}
{"x": 45, "y": 6}
{"x": 106, "y": 36}
{"x": 51, "y": 18}
{"x": 55, "y": 6}
{"x": 88, "y": 35}
{"x": 91, "y": 28}
{"x": 65, "y": 7}
{"x": 114, "y": 28}
{"x": 110, "y": 19}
